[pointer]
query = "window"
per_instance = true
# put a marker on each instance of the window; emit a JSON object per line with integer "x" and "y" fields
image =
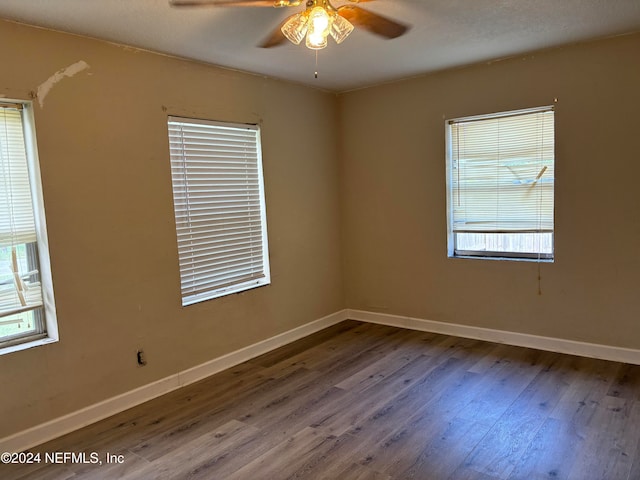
{"x": 500, "y": 185}
{"x": 218, "y": 196}
{"x": 27, "y": 309}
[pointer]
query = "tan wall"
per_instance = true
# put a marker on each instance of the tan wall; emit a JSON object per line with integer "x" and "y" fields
{"x": 102, "y": 139}
{"x": 394, "y": 200}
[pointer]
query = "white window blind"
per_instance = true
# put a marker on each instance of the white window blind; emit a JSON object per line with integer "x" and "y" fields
{"x": 218, "y": 193}
{"x": 17, "y": 224}
{"x": 20, "y": 288}
{"x": 502, "y": 172}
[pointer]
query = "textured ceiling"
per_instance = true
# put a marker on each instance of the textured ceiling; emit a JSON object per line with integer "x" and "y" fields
{"x": 444, "y": 33}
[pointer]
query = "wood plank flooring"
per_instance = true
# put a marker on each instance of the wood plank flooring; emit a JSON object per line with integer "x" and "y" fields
{"x": 367, "y": 402}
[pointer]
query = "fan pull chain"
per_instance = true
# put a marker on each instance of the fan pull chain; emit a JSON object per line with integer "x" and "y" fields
{"x": 316, "y": 72}
{"x": 539, "y": 277}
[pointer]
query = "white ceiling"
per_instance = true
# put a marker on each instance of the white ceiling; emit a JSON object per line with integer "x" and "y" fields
{"x": 444, "y": 33}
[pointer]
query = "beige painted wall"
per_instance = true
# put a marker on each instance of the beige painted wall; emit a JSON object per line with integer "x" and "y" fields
{"x": 105, "y": 167}
{"x": 394, "y": 200}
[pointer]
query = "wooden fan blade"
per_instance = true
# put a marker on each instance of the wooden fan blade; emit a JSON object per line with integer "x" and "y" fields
{"x": 275, "y": 38}
{"x": 372, "y": 22}
{"x": 222, "y": 3}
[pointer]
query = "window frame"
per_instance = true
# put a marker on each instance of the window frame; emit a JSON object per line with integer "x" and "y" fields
{"x": 452, "y": 236}
{"x": 48, "y": 314}
{"x": 264, "y": 277}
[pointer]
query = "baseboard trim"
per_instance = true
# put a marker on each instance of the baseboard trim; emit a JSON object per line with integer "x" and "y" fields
{"x": 572, "y": 347}
{"x": 55, "y": 428}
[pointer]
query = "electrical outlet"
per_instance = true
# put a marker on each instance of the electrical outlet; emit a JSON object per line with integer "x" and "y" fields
{"x": 141, "y": 357}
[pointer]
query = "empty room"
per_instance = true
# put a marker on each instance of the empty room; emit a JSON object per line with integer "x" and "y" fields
{"x": 352, "y": 240}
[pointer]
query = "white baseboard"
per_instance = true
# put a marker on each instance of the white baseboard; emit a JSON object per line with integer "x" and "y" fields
{"x": 572, "y": 347}
{"x": 93, "y": 413}
{"x": 39, "y": 434}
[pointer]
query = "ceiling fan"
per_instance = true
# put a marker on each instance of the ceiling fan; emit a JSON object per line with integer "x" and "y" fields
{"x": 317, "y": 22}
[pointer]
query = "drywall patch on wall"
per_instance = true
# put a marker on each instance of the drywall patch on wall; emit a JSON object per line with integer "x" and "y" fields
{"x": 70, "y": 71}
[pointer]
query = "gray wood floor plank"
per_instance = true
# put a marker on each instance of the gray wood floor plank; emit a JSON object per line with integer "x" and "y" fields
{"x": 500, "y": 450}
{"x": 551, "y": 454}
{"x": 627, "y": 383}
{"x": 440, "y": 455}
{"x": 611, "y": 440}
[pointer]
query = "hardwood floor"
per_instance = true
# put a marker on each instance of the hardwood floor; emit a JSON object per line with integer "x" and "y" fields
{"x": 368, "y": 402}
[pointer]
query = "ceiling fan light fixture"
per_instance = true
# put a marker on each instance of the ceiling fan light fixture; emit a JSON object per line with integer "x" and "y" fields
{"x": 340, "y": 28}
{"x": 319, "y": 23}
{"x": 319, "y": 20}
{"x": 316, "y": 42}
{"x": 295, "y": 28}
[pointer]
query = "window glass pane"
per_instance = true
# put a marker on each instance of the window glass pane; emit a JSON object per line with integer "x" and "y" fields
{"x": 532, "y": 243}
{"x": 20, "y": 324}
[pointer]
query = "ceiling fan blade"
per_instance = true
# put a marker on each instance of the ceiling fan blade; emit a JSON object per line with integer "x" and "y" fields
{"x": 372, "y": 22}
{"x": 275, "y": 38}
{"x": 222, "y": 3}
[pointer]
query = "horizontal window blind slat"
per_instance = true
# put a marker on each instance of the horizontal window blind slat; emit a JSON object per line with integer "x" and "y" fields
{"x": 211, "y": 289}
{"x": 202, "y": 203}
{"x": 193, "y": 159}
{"x": 213, "y": 261}
{"x": 195, "y": 220}
{"x": 193, "y": 129}
{"x": 220, "y": 198}
{"x": 206, "y": 249}
{"x": 194, "y": 210}
{"x": 204, "y": 186}
{"x": 217, "y": 276}
{"x": 222, "y": 205}
{"x": 187, "y": 218}
{"x": 188, "y": 138}
{"x": 218, "y": 226}
{"x": 191, "y": 283}
{"x": 189, "y": 197}
{"x": 196, "y": 169}
{"x": 249, "y": 221}
{"x": 226, "y": 236}
{"x": 203, "y": 223}
{"x": 219, "y": 183}
{"x": 221, "y": 175}
{"x": 221, "y": 281}
{"x": 209, "y": 272}
{"x": 200, "y": 159}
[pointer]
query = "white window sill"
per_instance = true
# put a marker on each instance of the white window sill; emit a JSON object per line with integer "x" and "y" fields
{"x": 512, "y": 259}
{"x": 26, "y": 345}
